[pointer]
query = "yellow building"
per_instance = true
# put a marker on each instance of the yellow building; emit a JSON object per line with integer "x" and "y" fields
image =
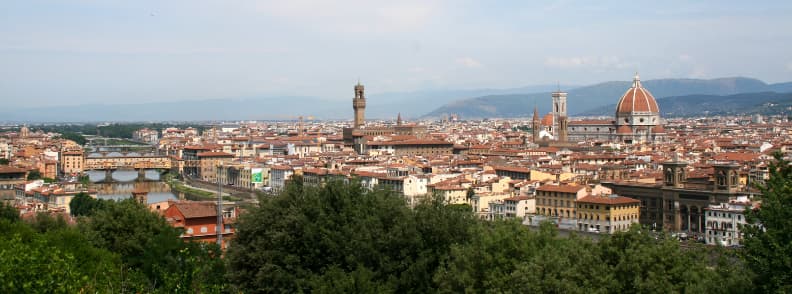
{"x": 72, "y": 162}
{"x": 560, "y": 200}
{"x": 607, "y": 213}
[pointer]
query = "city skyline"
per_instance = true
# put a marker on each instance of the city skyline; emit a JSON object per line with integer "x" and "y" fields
{"x": 116, "y": 53}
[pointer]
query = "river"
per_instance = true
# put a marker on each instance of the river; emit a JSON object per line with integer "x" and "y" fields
{"x": 125, "y": 181}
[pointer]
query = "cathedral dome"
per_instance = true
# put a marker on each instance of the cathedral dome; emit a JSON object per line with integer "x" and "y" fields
{"x": 637, "y": 99}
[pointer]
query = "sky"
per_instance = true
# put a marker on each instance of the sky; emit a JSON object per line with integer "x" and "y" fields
{"x": 116, "y": 52}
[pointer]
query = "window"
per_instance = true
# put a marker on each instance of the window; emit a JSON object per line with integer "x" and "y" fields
{"x": 204, "y": 229}
{"x": 189, "y": 231}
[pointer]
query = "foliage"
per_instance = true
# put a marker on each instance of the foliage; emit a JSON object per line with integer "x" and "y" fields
{"x": 77, "y": 138}
{"x": 349, "y": 239}
{"x": 343, "y": 238}
{"x": 4, "y": 161}
{"x": 85, "y": 180}
{"x": 84, "y": 205}
{"x": 55, "y": 261}
{"x": 33, "y": 175}
{"x": 153, "y": 249}
{"x": 768, "y": 238}
{"x": 117, "y": 130}
{"x": 8, "y": 212}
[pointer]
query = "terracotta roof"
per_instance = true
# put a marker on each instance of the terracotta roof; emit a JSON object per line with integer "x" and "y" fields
{"x": 637, "y": 99}
{"x": 561, "y": 188}
{"x": 196, "y": 209}
{"x": 591, "y": 122}
{"x": 11, "y": 170}
{"x": 608, "y": 200}
{"x": 214, "y": 154}
{"x": 623, "y": 130}
{"x": 547, "y": 120}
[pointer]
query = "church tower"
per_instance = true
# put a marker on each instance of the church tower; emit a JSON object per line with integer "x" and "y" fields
{"x": 359, "y": 105}
{"x": 560, "y": 115}
{"x": 535, "y": 127}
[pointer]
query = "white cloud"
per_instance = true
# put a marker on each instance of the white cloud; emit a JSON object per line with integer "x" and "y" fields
{"x": 468, "y": 62}
{"x": 588, "y": 62}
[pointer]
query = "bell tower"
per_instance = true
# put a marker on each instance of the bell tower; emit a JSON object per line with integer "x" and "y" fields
{"x": 535, "y": 125}
{"x": 560, "y": 115}
{"x": 359, "y": 106}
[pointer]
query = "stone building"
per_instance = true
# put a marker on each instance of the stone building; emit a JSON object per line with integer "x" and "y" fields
{"x": 637, "y": 119}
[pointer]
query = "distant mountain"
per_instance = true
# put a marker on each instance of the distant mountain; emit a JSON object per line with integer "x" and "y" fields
{"x": 383, "y": 106}
{"x": 415, "y": 104}
{"x": 594, "y": 100}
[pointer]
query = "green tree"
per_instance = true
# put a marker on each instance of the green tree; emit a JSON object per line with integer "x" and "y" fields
{"x": 150, "y": 247}
{"x": 342, "y": 237}
{"x": 8, "y": 212}
{"x": 4, "y": 161}
{"x": 768, "y": 237}
{"x": 33, "y": 175}
{"x": 56, "y": 261}
{"x": 84, "y": 205}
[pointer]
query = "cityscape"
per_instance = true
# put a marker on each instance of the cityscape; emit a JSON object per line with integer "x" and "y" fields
{"x": 677, "y": 183}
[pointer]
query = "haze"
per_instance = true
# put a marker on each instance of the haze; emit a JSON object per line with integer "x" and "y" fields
{"x": 113, "y": 52}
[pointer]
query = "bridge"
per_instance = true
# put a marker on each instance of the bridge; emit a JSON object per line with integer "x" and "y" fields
{"x": 140, "y": 163}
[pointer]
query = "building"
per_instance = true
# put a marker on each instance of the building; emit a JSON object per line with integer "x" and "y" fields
{"x": 359, "y": 106}
{"x": 560, "y": 200}
{"x": 199, "y": 220}
{"x": 209, "y": 164}
{"x": 72, "y": 162}
{"x": 607, "y": 213}
{"x": 9, "y": 177}
{"x": 723, "y": 222}
{"x": 637, "y": 119}
{"x": 359, "y": 135}
{"x": 678, "y": 203}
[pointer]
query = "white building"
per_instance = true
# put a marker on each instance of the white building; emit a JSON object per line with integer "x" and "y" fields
{"x": 723, "y": 222}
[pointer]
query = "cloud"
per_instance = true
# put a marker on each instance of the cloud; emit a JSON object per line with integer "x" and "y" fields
{"x": 468, "y": 62}
{"x": 588, "y": 62}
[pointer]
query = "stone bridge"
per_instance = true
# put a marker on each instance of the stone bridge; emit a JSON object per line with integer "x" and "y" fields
{"x": 140, "y": 162}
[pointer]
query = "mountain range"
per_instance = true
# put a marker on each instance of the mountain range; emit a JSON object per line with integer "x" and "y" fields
{"x": 593, "y": 100}
{"x": 600, "y": 99}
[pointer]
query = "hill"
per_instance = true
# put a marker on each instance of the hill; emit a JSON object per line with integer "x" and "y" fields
{"x": 592, "y": 100}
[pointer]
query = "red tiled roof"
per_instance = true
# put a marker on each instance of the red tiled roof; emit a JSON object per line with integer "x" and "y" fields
{"x": 214, "y": 154}
{"x": 196, "y": 209}
{"x": 607, "y": 200}
{"x": 637, "y": 99}
{"x": 561, "y": 188}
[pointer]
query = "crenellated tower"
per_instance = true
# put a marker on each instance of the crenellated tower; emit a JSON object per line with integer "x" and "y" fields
{"x": 359, "y": 105}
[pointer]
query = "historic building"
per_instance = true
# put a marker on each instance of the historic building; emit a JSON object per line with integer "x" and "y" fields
{"x": 679, "y": 202}
{"x": 359, "y": 136}
{"x": 637, "y": 120}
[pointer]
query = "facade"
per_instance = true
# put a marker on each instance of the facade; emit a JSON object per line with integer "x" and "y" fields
{"x": 209, "y": 164}
{"x": 411, "y": 147}
{"x": 72, "y": 162}
{"x": 359, "y": 106}
{"x": 678, "y": 203}
{"x": 199, "y": 220}
{"x": 723, "y": 222}
{"x": 560, "y": 200}
{"x": 637, "y": 120}
{"x": 607, "y": 213}
{"x": 10, "y": 176}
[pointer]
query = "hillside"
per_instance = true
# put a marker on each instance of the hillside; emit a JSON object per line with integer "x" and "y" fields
{"x": 592, "y": 100}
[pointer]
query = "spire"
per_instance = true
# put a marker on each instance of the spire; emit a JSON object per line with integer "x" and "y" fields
{"x": 636, "y": 81}
{"x": 536, "y": 113}
{"x": 398, "y": 119}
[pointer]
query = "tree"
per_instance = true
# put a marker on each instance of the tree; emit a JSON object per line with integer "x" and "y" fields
{"x": 84, "y": 205}
{"x": 768, "y": 237}
{"x": 153, "y": 249}
{"x": 8, "y": 212}
{"x": 33, "y": 175}
{"x": 4, "y": 161}
{"x": 342, "y": 237}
